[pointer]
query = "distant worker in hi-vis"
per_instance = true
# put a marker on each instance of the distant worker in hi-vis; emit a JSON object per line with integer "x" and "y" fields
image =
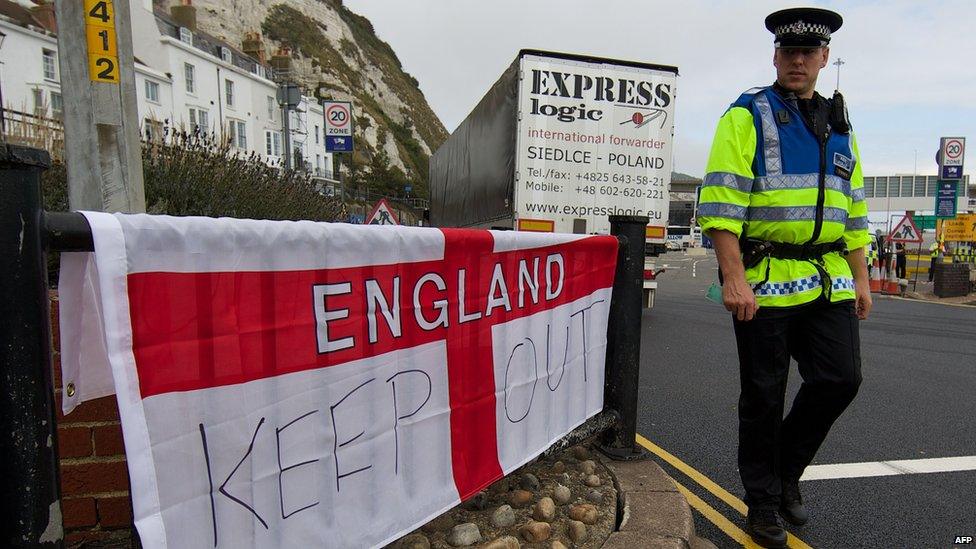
{"x": 783, "y": 202}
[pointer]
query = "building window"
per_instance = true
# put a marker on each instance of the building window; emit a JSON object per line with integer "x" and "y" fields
{"x": 199, "y": 120}
{"x": 272, "y": 141}
{"x": 50, "y": 65}
{"x": 39, "y": 107}
{"x": 186, "y": 36}
{"x": 189, "y": 76}
{"x": 152, "y": 91}
{"x": 57, "y": 105}
{"x": 316, "y": 135}
{"x": 225, "y": 54}
{"x": 153, "y": 129}
{"x": 272, "y": 107}
{"x": 919, "y": 186}
{"x": 932, "y": 182}
{"x": 906, "y": 185}
{"x": 238, "y": 134}
{"x": 229, "y": 93}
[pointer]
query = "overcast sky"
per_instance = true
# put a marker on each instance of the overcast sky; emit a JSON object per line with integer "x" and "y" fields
{"x": 909, "y": 76}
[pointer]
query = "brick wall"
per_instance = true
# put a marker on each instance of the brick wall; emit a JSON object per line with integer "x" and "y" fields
{"x": 951, "y": 279}
{"x": 95, "y": 499}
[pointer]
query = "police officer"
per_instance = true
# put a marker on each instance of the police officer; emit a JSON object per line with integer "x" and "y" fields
{"x": 783, "y": 202}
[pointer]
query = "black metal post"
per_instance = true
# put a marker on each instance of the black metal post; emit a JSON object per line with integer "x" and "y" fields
{"x": 623, "y": 338}
{"x": 29, "y": 489}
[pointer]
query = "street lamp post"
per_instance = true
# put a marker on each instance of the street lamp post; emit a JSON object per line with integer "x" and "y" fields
{"x": 838, "y": 63}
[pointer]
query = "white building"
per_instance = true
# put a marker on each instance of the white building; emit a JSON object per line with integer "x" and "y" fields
{"x": 184, "y": 79}
{"x": 29, "y": 72}
{"x": 889, "y": 197}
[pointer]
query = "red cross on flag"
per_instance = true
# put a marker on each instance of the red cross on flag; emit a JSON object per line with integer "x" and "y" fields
{"x": 299, "y": 384}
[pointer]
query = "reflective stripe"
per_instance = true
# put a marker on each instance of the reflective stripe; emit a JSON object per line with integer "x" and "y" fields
{"x": 858, "y": 195}
{"x": 837, "y": 284}
{"x": 795, "y": 213}
{"x": 838, "y": 215}
{"x": 841, "y": 283}
{"x": 728, "y": 180}
{"x": 789, "y": 288}
{"x": 805, "y": 181}
{"x": 856, "y": 223}
{"x": 721, "y": 209}
{"x": 771, "y": 149}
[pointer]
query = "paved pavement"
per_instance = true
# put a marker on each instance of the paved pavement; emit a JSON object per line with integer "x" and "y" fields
{"x": 918, "y": 401}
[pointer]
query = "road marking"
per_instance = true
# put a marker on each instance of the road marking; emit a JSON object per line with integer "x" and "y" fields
{"x": 889, "y": 468}
{"x": 694, "y": 267}
{"x": 716, "y": 518}
{"x": 932, "y": 302}
{"x": 715, "y": 489}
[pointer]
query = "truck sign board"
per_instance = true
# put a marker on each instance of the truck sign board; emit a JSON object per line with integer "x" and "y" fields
{"x": 338, "y": 126}
{"x": 594, "y": 140}
{"x": 952, "y": 151}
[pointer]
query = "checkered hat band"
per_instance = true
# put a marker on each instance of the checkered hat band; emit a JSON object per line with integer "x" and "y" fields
{"x": 800, "y": 27}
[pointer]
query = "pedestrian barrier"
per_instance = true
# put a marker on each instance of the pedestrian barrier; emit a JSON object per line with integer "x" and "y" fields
{"x": 30, "y": 490}
{"x": 917, "y": 263}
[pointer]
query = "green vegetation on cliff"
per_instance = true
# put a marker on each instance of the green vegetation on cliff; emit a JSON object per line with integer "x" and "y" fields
{"x": 304, "y": 35}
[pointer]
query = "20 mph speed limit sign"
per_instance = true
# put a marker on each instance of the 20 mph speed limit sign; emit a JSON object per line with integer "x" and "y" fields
{"x": 952, "y": 150}
{"x": 338, "y": 126}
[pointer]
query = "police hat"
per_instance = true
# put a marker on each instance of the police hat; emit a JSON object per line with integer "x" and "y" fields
{"x": 803, "y": 27}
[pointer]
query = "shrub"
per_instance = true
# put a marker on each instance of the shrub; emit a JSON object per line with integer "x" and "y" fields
{"x": 192, "y": 173}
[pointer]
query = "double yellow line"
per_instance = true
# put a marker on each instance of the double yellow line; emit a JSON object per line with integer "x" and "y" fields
{"x": 709, "y": 512}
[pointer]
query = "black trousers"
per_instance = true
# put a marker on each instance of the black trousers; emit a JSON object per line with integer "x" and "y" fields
{"x": 823, "y": 338}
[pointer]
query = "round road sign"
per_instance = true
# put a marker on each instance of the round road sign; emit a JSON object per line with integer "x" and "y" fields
{"x": 337, "y": 116}
{"x": 953, "y": 149}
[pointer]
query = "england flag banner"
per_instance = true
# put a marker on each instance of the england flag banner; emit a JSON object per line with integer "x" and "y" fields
{"x": 301, "y": 384}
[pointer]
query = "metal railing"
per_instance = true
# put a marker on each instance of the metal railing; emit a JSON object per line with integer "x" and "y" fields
{"x": 30, "y": 488}
{"x": 34, "y": 130}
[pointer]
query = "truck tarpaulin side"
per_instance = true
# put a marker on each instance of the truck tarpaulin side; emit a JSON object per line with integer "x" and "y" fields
{"x": 473, "y": 173}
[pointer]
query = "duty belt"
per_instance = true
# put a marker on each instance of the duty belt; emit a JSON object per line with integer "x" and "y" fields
{"x": 753, "y": 250}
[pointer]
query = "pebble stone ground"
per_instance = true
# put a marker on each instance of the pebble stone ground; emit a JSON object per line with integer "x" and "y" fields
{"x": 564, "y": 501}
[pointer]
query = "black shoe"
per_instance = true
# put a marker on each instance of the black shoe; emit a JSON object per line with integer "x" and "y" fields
{"x": 765, "y": 528}
{"x": 791, "y": 504}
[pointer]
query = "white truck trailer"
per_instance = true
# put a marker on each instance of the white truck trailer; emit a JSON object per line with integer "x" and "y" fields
{"x": 558, "y": 144}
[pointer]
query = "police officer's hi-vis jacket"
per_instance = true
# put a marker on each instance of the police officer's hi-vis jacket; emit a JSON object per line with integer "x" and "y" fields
{"x": 770, "y": 178}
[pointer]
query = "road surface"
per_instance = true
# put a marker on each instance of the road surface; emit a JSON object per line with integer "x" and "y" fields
{"x": 916, "y": 406}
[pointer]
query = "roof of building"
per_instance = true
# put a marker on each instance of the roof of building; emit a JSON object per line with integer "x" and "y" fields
{"x": 20, "y": 15}
{"x": 211, "y": 44}
{"x": 678, "y": 177}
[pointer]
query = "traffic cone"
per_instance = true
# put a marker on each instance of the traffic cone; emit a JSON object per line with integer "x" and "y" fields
{"x": 891, "y": 283}
{"x": 875, "y": 283}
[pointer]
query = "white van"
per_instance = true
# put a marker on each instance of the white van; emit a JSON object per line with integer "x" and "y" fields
{"x": 681, "y": 237}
